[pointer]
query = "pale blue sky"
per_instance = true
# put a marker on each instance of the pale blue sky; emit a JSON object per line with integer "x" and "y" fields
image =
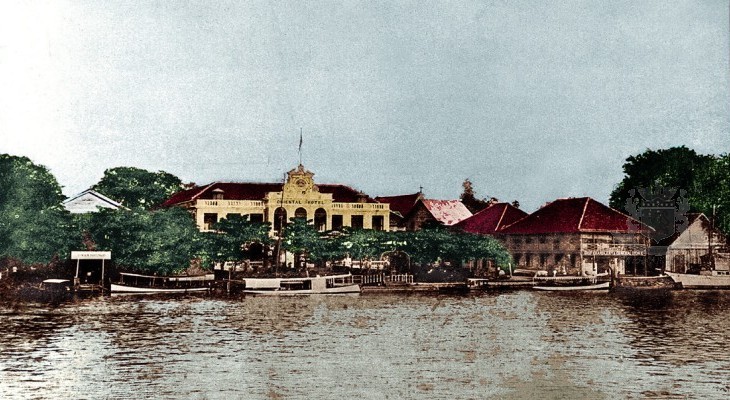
{"x": 530, "y": 100}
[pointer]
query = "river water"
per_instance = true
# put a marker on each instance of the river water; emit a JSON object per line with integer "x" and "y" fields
{"x": 387, "y": 346}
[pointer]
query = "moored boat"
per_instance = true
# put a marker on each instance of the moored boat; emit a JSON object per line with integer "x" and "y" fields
{"x": 148, "y": 284}
{"x": 332, "y": 284}
{"x": 708, "y": 280}
{"x": 572, "y": 283}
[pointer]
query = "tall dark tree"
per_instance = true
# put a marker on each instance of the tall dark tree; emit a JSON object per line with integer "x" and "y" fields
{"x": 34, "y": 227}
{"x": 469, "y": 198}
{"x": 138, "y": 188}
{"x": 675, "y": 167}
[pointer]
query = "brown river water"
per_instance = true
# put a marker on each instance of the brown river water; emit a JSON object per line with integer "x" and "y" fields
{"x": 512, "y": 345}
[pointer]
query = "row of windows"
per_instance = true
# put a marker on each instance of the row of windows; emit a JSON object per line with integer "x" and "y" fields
{"x": 320, "y": 219}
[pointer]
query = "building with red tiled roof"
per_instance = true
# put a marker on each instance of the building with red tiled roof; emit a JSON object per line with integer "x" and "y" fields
{"x": 491, "y": 219}
{"x": 400, "y": 206}
{"x": 327, "y": 206}
{"x": 576, "y": 236}
{"x": 446, "y": 212}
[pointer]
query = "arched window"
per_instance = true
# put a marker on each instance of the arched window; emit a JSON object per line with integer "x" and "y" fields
{"x": 279, "y": 219}
{"x": 320, "y": 219}
{"x": 300, "y": 213}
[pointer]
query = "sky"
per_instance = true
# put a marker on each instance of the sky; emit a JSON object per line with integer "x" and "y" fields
{"x": 530, "y": 100}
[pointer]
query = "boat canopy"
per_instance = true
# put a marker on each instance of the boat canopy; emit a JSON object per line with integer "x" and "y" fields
{"x": 183, "y": 278}
{"x": 56, "y": 281}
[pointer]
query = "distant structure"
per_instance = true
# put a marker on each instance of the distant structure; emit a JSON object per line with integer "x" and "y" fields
{"x": 577, "y": 236}
{"x": 328, "y": 207}
{"x": 400, "y": 207}
{"x": 90, "y": 201}
{"x": 683, "y": 251}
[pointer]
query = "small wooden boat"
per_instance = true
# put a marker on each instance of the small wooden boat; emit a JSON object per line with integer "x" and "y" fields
{"x": 332, "y": 284}
{"x": 148, "y": 284}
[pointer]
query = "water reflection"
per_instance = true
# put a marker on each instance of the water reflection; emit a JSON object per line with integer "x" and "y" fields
{"x": 505, "y": 345}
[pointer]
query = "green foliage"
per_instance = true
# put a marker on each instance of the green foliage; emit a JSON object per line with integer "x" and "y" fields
{"x": 34, "y": 227}
{"x": 232, "y": 233}
{"x": 675, "y": 167}
{"x": 161, "y": 242}
{"x": 429, "y": 245}
{"x": 704, "y": 178}
{"x": 138, "y": 188}
{"x": 302, "y": 238}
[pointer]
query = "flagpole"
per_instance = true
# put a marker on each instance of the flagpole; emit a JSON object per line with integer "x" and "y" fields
{"x": 300, "y": 146}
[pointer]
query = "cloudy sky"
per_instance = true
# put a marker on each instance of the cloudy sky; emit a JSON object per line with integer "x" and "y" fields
{"x": 531, "y": 100}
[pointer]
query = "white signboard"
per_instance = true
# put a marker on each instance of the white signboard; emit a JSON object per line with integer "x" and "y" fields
{"x": 91, "y": 255}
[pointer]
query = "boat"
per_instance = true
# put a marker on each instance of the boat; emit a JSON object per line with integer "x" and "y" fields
{"x": 332, "y": 284}
{"x": 572, "y": 283}
{"x": 148, "y": 284}
{"x": 705, "y": 280}
{"x": 50, "y": 290}
{"x": 714, "y": 274}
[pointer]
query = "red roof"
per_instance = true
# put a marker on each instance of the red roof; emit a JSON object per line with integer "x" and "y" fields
{"x": 448, "y": 212}
{"x": 573, "y": 215}
{"x": 491, "y": 219}
{"x": 401, "y": 204}
{"x": 258, "y": 191}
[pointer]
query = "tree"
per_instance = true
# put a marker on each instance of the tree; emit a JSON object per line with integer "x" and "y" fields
{"x": 162, "y": 241}
{"x": 138, "y": 188}
{"x": 705, "y": 180}
{"x": 34, "y": 226}
{"x": 675, "y": 167}
{"x": 231, "y": 235}
{"x": 302, "y": 239}
{"x": 473, "y": 204}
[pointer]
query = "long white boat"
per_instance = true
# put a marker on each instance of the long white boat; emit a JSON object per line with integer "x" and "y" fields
{"x": 708, "y": 280}
{"x": 572, "y": 283}
{"x": 332, "y": 284}
{"x": 557, "y": 288}
{"x": 147, "y": 284}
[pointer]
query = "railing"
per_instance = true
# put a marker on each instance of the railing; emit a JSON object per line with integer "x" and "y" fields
{"x": 230, "y": 203}
{"x": 379, "y": 279}
{"x": 359, "y": 206}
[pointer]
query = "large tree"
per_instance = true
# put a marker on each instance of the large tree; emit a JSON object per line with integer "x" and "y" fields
{"x": 162, "y": 241}
{"x": 34, "y": 226}
{"x": 232, "y": 234}
{"x": 675, "y": 167}
{"x": 138, "y": 188}
{"x": 701, "y": 179}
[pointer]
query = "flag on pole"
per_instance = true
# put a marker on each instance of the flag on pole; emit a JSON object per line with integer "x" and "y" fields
{"x": 300, "y": 140}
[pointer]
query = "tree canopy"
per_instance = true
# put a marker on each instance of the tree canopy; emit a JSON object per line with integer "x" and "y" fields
{"x": 138, "y": 188}
{"x": 162, "y": 241}
{"x": 703, "y": 178}
{"x": 34, "y": 226}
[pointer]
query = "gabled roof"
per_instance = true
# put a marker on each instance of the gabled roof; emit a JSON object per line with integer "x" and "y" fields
{"x": 258, "y": 191}
{"x": 691, "y": 219}
{"x": 491, "y": 219}
{"x": 89, "y": 201}
{"x": 402, "y": 204}
{"x": 448, "y": 212}
{"x": 574, "y": 215}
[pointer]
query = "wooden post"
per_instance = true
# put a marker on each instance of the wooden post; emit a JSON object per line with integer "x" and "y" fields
{"x": 76, "y": 278}
{"x": 102, "y": 276}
